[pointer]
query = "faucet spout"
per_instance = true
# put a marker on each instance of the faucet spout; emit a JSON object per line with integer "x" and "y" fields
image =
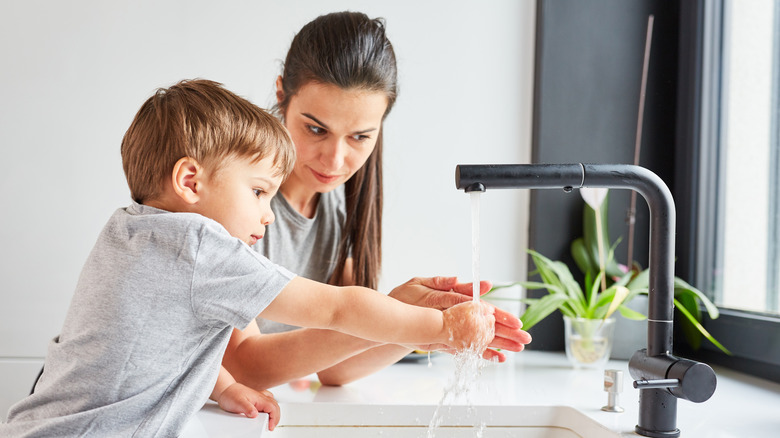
{"x": 621, "y": 176}
{"x": 657, "y": 405}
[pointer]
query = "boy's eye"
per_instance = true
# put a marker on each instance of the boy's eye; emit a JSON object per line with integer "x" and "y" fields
{"x": 258, "y": 192}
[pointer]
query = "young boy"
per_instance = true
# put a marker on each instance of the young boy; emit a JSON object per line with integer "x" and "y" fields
{"x": 173, "y": 273}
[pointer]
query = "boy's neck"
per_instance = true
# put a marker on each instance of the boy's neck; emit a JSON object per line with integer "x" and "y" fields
{"x": 169, "y": 203}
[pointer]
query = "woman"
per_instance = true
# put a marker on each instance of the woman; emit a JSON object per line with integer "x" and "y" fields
{"x": 339, "y": 83}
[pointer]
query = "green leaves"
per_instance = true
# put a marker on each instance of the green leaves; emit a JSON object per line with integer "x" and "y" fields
{"x": 541, "y": 307}
{"x": 566, "y": 295}
{"x": 684, "y": 310}
{"x": 688, "y": 299}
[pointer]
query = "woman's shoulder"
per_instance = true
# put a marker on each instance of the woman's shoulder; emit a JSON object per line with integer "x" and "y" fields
{"x": 334, "y": 199}
{"x": 334, "y": 205}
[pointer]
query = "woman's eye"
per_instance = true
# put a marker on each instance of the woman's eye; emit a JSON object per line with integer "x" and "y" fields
{"x": 316, "y": 130}
{"x": 360, "y": 137}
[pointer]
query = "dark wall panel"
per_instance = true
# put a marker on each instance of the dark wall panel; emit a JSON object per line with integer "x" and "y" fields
{"x": 587, "y": 83}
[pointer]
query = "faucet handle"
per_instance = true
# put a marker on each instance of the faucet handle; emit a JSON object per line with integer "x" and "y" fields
{"x": 683, "y": 378}
{"x": 656, "y": 383}
{"x": 697, "y": 380}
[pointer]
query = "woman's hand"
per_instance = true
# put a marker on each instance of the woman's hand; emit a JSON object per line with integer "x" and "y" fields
{"x": 444, "y": 292}
{"x": 436, "y": 292}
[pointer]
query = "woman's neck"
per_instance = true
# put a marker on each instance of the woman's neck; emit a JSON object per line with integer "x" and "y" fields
{"x": 302, "y": 200}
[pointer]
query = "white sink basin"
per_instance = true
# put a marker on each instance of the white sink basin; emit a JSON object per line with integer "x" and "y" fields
{"x": 401, "y": 421}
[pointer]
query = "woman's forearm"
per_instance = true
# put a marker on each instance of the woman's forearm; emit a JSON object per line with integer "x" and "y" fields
{"x": 267, "y": 360}
{"x": 362, "y": 364}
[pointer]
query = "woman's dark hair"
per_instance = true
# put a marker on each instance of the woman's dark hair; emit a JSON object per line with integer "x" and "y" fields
{"x": 351, "y": 51}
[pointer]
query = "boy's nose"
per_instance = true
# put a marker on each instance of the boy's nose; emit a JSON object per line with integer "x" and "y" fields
{"x": 268, "y": 218}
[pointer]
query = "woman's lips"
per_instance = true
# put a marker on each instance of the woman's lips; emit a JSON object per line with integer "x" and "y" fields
{"x": 325, "y": 179}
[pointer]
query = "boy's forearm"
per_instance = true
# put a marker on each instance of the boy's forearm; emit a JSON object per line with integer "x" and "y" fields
{"x": 372, "y": 315}
{"x": 358, "y": 311}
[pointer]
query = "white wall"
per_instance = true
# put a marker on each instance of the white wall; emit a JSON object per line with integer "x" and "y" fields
{"x": 74, "y": 73}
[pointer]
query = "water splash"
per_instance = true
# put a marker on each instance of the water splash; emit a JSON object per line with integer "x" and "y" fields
{"x": 468, "y": 362}
{"x": 468, "y": 368}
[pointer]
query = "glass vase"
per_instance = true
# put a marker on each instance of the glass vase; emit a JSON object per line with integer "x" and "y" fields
{"x": 588, "y": 341}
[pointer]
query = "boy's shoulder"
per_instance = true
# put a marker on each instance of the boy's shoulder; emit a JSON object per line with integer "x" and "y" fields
{"x": 143, "y": 231}
{"x": 142, "y": 216}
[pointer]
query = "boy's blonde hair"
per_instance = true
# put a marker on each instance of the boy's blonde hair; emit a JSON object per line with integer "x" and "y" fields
{"x": 202, "y": 120}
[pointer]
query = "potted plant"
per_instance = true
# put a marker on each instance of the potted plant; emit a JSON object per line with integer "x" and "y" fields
{"x": 688, "y": 300}
{"x": 587, "y": 311}
{"x": 608, "y": 287}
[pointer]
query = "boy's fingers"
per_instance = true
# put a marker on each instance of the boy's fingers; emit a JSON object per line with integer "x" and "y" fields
{"x": 271, "y": 407}
{"x": 250, "y": 410}
{"x": 487, "y": 309}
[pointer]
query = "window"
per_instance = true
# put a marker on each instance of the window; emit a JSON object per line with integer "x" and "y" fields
{"x": 748, "y": 278}
{"x": 737, "y": 163}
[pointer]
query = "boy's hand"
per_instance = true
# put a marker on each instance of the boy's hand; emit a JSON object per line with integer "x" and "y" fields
{"x": 470, "y": 326}
{"x": 241, "y": 399}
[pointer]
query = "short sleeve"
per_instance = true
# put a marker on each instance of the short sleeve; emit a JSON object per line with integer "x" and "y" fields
{"x": 232, "y": 283}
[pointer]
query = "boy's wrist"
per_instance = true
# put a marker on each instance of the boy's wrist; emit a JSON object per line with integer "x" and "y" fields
{"x": 218, "y": 396}
{"x": 445, "y": 334}
{"x": 224, "y": 381}
{"x": 217, "y": 393}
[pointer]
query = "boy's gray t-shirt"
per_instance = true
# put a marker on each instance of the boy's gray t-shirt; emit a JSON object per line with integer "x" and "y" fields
{"x": 148, "y": 324}
{"x": 308, "y": 247}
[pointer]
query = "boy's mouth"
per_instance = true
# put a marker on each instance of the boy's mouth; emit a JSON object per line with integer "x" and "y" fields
{"x": 254, "y": 238}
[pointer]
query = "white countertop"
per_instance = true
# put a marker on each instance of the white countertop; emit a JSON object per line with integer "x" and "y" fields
{"x": 742, "y": 406}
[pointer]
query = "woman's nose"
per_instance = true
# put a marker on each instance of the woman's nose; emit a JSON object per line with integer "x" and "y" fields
{"x": 332, "y": 155}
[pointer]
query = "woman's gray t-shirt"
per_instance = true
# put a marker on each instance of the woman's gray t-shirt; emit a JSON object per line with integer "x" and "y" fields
{"x": 307, "y": 247}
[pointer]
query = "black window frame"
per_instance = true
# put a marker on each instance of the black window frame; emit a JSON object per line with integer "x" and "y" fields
{"x": 752, "y": 337}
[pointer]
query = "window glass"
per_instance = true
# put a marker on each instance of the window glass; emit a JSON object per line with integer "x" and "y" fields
{"x": 749, "y": 180}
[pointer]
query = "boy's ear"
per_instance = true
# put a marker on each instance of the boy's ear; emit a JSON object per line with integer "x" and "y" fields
{"x": 279, "y": 90}
{"x": 187, "y": 174}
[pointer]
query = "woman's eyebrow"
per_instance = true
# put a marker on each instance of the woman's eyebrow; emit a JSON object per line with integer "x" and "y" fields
{"x": 365, "y": 131}
{"x": 315, "y": 120}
